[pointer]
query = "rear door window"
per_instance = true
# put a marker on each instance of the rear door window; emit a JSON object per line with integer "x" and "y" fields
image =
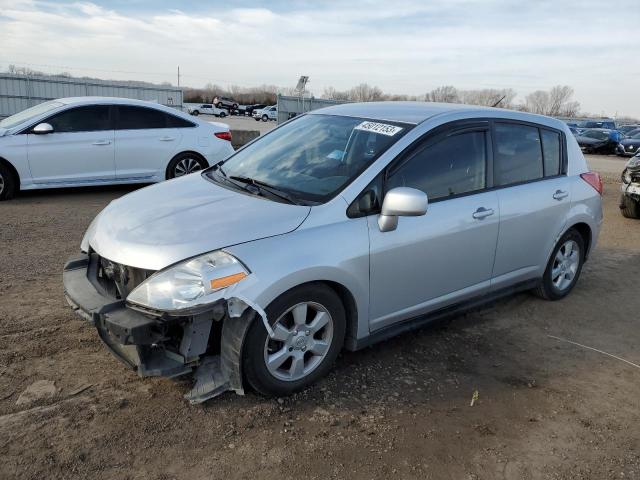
{"x": 140, "y": 118}
{"x": 551, "y": 152}
{"x": 452, "y": 166}
{"x": 81, "y": 119}
{"x": 517, "y": 155}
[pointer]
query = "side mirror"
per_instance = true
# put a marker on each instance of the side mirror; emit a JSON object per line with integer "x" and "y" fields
{"x": 401, "y": 202}
{"x": 42, "y": 129}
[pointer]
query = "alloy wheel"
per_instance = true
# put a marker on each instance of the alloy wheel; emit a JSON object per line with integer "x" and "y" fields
{"x": 302, "y": 338}
{"x": 565, "y": 265}
{"x": 186, "y": 166}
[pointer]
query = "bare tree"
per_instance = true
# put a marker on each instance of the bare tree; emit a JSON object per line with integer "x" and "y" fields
{"x": 444, "y": 94}
{"x": 559, "y": 96}
{"x": 571, "y": 109}
{"x": 365, "y": 93}
{"x": 556, "y": 102}
{"x": 537, "y": 102}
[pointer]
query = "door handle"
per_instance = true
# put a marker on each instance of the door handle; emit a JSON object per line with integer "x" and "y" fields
{"x": 102, "y": 142}
{"x": 560, "y": 194}
{"x": 167, "y": 139}
{"x": 482, "y": 212}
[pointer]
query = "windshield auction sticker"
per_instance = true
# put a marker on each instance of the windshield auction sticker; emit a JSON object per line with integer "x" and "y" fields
{"x": 381, "y": 128}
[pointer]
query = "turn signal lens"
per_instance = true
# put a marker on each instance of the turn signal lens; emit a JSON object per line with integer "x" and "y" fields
{"x": 593, "y": 179}
{"x": 224, "y": 135}
{"x": 218, "y": 283}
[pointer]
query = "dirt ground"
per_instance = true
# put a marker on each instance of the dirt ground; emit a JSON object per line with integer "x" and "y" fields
{"x": 545, "y": 408}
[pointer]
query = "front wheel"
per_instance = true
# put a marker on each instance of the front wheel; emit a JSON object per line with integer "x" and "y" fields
{"x": 7, "y": 183}
{"x": 629, "y": 207}
{"x": 564, "y": 267}
{"x": 309, "y": 325}
{"x": 265, "y": 118}
{"x": 184, "y": 164}
{"x": 195, "y": 113}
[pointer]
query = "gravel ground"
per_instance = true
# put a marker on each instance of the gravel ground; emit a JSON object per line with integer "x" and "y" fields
{"x": 545, "y": 408}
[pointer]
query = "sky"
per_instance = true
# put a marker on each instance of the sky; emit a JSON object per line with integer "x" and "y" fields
{"x": 401, "y": 46}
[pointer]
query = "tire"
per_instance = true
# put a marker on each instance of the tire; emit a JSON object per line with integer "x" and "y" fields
{"x": 286, "y": 375}
{"x": 257, "y": 119}
{"x": 222, "y": 114}
{"x": 195, "y": 113}
{"x": 184, "y": 164}
{"x": 265, "y": 118}
{"x": 563, "y": 271}
{"x": 8, "y": 183}
{"x": 629, "y": 207}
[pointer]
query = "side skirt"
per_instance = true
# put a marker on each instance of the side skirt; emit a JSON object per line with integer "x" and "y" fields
{"x": 418, "y": 322}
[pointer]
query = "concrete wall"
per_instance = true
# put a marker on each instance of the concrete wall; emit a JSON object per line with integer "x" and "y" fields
{"x": 18, "y": 92}
{"x": 240, "y": 138}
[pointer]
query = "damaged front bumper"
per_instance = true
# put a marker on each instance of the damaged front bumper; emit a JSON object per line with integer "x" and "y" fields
{"x": 207, "y": 345}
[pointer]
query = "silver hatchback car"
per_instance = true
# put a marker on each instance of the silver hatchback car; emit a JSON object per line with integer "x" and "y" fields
{"x": 338, "y": 229}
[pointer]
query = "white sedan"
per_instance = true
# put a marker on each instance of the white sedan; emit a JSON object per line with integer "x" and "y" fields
{"x": 103, "y": 141}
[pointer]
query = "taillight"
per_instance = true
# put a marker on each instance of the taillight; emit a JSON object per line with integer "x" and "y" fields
{"x": 224, "y": 135}
{"x": 593, "y": 179}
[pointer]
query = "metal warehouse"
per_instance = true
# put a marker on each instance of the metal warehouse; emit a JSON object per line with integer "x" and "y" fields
{"x": 18, "y": 92}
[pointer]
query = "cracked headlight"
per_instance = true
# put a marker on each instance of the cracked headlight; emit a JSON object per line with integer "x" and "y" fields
{"x": 189, "y": 284}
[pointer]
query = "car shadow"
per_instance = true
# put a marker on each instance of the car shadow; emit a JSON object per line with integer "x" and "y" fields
{"x": 79, "y": 191}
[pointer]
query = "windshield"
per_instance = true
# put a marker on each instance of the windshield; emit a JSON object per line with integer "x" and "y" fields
{"x": 314, "y": 156}
{"x": 29, "y": 113}
{"x": 633, "y": 133}
{"x": 597, "y": 134}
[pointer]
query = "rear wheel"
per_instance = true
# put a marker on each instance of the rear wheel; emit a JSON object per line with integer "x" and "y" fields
{"x": 8, "y": 183}
{"x": 223, "y": 114}
{"x": 309, "y": 326}
{"x": 184, "y": 164}
{"x": 629, "y": 207}
{"x": 564, "y": 267}
{"x": 195, "y": 113}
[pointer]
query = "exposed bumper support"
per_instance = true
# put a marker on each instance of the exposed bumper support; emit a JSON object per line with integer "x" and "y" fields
{"x": 155, "y": 346}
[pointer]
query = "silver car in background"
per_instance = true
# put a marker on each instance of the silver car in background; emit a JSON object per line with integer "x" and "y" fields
{"x": 338, "y": 229}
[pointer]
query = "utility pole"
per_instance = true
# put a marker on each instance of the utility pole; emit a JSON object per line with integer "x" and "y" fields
{"x": 178, "y": 75}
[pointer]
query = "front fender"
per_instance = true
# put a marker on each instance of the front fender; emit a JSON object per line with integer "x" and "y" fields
{"x": 337, "y": 253}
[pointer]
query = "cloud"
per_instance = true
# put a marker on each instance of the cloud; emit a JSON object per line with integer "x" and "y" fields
{"x": 405, "y": 46}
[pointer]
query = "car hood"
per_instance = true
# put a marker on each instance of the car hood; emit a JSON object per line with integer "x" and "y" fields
{"x": 630, "y": 141}
{"x": 165, "y": 223}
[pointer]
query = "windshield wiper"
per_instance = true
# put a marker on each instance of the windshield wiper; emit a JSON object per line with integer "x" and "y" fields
{"x": 265, "y": 187}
